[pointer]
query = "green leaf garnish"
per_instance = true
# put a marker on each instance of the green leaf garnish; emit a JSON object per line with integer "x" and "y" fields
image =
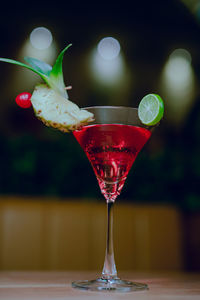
{"x": 38, "y": 65}
{"x": 15, "y": 62}
{"x": 56, "y": 75}
{"x": 52, "y": 76}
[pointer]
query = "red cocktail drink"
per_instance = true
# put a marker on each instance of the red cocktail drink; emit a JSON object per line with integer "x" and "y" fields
{"x": 111, "y": 150}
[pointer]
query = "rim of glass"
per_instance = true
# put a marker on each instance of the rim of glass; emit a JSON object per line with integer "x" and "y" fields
{"x": 108, "y": 114}
{"x": 110, "y": 106}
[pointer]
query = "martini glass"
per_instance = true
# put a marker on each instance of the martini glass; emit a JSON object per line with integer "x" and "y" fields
{"x": 112, "y": 143}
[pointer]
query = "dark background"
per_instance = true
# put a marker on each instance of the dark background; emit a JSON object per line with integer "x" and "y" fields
{"x": 36, "y": 160}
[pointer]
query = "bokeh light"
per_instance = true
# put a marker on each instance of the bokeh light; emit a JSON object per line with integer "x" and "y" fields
{"x": 39, "y": 45}
{"x": 107, "y": 71}
{"x": 178, "y": 70}
{"x": 178, "y": 82}
{"x": 108, "y": 48}
{"x": 106, "y": 62}
{"x": 41, "y": 38}
{"x": 181, "y": 53}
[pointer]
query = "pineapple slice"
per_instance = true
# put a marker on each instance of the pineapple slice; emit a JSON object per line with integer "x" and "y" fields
{"x": 56, "y": 111}
{"x": 50, "y": 100}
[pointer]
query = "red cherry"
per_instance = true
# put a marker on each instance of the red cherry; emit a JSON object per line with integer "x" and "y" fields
{"x": 24, "y": 100}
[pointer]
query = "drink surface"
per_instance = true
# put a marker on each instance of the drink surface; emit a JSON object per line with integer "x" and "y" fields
{"x": 111, "y": 150}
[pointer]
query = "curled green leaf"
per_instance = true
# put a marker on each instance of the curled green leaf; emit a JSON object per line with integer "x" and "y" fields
{"x": 38, "y": 65}
{"x": 56, "y": 75}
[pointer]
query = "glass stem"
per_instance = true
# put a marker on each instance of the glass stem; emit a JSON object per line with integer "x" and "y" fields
{"x": 109, "y": 269}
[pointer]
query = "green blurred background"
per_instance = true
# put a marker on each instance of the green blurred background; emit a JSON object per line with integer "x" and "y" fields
{"x": 160, "y": 53}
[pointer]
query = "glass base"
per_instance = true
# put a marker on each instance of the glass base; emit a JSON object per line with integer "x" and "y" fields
{"x": 114, "y": 284}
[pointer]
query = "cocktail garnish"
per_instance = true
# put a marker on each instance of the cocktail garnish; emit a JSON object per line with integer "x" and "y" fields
{"x": 24, "y": 100}
{"x": 151, "y": 109}
{"x": 50, "y": 100}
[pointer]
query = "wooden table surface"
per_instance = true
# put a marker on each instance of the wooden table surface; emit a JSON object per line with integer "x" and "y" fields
{"x": 57, "y": 285}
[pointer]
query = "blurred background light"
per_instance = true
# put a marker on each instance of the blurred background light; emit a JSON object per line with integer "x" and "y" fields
{"x": 107, "y": 71}
{"x": 178, "y": 71}
{"x": 47, "y": 54}
{"x": 108, "y": 48}
{"x": 181, "y": 53}
{"x": 106, "y": 62}
{"x": 196, "y": 10}
{"x": 178, "y": 84}
{"x": 40, "y": 45}
{"x": 110, "y": 76}
{"x": 41, "y": 38}
{"x": 194, "y": 7}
